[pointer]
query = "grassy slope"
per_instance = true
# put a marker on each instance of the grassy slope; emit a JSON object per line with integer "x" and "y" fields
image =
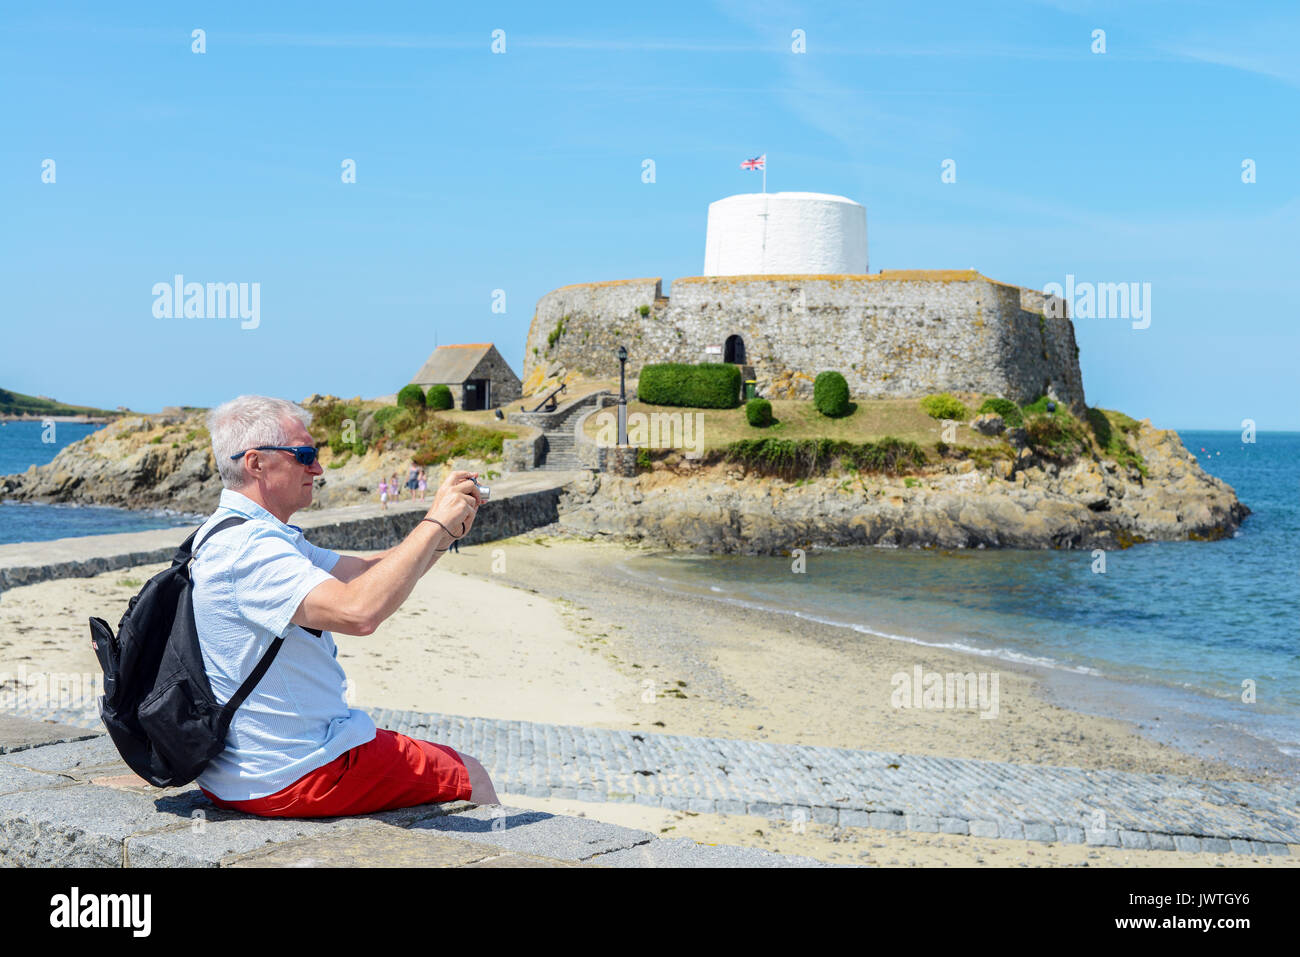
{"x": 16, "y": 403}
{"x": 871, "y": 420}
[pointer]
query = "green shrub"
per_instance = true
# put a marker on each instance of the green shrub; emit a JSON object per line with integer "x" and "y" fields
{"x": 758, "y": 413}
{"x": 643, "y": 460}
{"x": 327, "y": 420}
{"x": 439, "y": 398}
{"x": 1101, "y": 427}
{"x": 831, "y": 394}
{"x": 1059, "y": 437}
{"x": 411, "y": 397}
{"x": 708, "y": 385}
{"x": 437, "y": 440}
{"x": 795, "y": 458}
{"x": 402, "y": 422}
{"x": 945, "y": 406}
{"x": 1010, "y": 412}
{"x": 387, "y": 414}
{"x": 1039, "y": 407}
{"x": 644, "y": 310}
{"x": 1111, "y": 430}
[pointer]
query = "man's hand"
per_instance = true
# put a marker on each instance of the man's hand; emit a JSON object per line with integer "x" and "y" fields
{"x": 456, "y": 503}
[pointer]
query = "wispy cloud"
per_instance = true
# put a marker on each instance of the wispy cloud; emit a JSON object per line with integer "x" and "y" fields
{"x": 1279, "y": 65}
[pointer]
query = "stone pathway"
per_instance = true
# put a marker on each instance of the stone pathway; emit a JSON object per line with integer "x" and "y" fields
{"x": 851, "y": 788}
{"x": 66, "y": 799}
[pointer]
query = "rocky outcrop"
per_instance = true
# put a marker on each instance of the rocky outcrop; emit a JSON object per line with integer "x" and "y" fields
{"x": 1025, "y": 502}
{"x": 165, "y": 462}
{"x": 1029, "y": 503}
{"x": 137, "y": 462}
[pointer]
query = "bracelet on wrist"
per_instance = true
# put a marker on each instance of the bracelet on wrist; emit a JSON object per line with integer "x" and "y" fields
{"x": 447, "y": 530}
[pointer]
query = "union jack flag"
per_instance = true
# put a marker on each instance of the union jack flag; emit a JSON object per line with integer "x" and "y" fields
{"x": 758, "y": 162}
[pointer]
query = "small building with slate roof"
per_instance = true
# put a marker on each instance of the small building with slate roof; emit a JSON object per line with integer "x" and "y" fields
{"x": 475, "y": 372}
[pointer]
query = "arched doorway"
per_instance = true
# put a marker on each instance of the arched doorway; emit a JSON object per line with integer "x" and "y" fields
{"x": 734, "y": 350}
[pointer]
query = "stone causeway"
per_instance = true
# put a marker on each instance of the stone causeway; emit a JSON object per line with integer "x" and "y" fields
{"x": 854, "y": 788}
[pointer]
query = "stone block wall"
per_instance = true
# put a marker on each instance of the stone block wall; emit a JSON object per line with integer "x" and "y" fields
{"x": 505, "y": 384}
{"x": 520, "y": 455}
{"x": 891, "y": 334}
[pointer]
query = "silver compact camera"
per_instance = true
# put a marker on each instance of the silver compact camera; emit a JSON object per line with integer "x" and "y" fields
{"x": 483, "y": 491}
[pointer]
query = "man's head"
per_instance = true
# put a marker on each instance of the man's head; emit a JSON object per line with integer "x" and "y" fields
{"x": 272, "y": 478}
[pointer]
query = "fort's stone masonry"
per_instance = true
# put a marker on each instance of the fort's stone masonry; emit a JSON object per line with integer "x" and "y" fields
{"x": 895, "y": 333}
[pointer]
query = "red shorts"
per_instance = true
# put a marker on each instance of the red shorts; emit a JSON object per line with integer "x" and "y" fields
{"x": 387, "y": 772}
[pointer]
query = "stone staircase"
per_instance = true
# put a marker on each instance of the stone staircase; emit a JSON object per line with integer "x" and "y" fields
{"x": 561, "y": 453}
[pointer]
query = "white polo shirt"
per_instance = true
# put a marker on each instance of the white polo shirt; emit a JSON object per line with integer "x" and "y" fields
{"x": 248, "y": 582}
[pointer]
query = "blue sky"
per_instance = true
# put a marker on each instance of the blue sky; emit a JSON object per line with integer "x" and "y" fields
{"x": 522, "y": 171}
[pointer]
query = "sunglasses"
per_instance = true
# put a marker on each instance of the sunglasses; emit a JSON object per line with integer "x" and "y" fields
{"x": 305, "y": 454}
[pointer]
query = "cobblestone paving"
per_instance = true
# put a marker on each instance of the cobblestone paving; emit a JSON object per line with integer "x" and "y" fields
{"x": 850, "y": 788}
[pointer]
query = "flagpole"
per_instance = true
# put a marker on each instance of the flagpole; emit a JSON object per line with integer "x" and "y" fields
{"x": 764, "y": 172}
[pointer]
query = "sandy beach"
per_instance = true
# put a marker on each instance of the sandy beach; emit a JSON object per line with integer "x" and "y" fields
{"x": 547, "y": 630}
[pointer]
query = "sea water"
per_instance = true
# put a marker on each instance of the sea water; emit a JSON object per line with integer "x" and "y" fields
{"x": 1176, "y": 631}
{"x": 23, "y": 444}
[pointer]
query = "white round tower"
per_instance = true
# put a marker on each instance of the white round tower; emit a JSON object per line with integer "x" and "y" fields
{"x": 772, "y": 233}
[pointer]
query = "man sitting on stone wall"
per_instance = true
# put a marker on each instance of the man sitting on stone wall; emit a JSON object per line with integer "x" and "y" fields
{"x": 295, "y": 748}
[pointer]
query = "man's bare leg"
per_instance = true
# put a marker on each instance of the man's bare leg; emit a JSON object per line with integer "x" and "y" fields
{"x": 484, "y": 792}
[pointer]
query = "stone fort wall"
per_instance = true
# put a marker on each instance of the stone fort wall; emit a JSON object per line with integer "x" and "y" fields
{"x": 893, "y": 333}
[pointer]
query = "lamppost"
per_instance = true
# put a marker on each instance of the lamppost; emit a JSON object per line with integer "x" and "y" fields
{"x": 622, "y": 395}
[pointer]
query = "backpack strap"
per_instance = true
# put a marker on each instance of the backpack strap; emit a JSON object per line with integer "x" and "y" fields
{"x": 245, "y": 689}
{"x": 222, "y": 525}
{"x": 188, "y": 548}
{"x": 228, "y": 712}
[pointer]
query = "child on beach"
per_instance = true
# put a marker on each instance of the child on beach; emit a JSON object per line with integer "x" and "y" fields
{"x": 383, "y": 493}
{"x": 421, "y": 483}
{"x": 394, "y": 487}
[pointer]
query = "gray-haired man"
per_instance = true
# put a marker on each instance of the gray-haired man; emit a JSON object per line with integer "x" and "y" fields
{"x": 295, "y": 748}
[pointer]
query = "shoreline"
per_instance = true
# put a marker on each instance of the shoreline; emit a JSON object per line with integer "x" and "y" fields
{"x": 1164, "y": 717}
{"x": 535, "y": 628}
{"x": 1026, "y": 679}
{"x": 1167, "y": 715}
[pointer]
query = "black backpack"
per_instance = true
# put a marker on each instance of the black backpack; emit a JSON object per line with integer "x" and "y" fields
{"x": 157, "y": 704}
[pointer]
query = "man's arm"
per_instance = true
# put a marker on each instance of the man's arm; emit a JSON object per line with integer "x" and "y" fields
{"x": 350, "y": 567}
{"x": 357, "y": 605}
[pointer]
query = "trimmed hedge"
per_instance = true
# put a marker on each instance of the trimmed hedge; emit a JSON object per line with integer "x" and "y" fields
{"x": 758, "y": 412}
{"x": 831, "y": 394}
{"x": 945, "y": 406}
{"x": 440, "y": 398}
{"x": 708, "y": 385}
{"x": 1010, "y": 412}
{"x": 411, "y": 397}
